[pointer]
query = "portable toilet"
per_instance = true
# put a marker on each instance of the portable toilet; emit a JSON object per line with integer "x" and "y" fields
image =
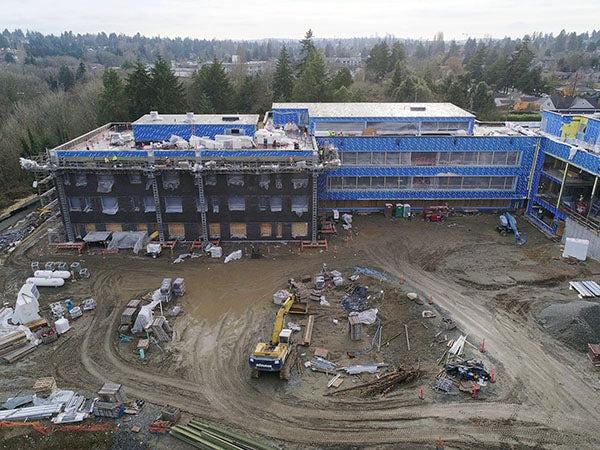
{"x": 388, "y": 212}
{"x": 399, "y": 211}
{"x": 406, "y": 210}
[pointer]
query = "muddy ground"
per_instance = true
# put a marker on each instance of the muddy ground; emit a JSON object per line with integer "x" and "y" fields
{"x": 546, "y": 394}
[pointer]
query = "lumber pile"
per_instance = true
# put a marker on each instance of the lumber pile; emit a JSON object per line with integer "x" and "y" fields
{"x": 14, "y": 346}
{"x": 383, "y": 384}
{"x": 160, "y": 329}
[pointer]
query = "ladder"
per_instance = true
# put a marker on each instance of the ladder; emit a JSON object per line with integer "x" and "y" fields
{"x": 159, "y": 221}
{"x": 202, "y": 204}
{"x": 315, "y": 188}
{"x": 64, "y": 208}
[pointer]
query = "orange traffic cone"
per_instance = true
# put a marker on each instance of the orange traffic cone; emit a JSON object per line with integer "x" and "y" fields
{"x": 430, "y": 299}
{"x": 482, "y": 346}
{"x": 422, "y": 393}
{"x": 492, "y": 376}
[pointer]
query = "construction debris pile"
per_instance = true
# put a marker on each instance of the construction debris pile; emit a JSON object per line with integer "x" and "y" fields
{"x": 384, "y": 384}
{"x": 140, "y": 320}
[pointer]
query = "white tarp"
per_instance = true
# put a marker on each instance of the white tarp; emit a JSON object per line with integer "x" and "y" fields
{"x": 576, "y": 248}
{"x": 368, "y": 317}
{"x": 27, "y": 307}
{"x": 233, "y": 256}
{"x": 135, "y": 240}
{"x": 146, "y": 314}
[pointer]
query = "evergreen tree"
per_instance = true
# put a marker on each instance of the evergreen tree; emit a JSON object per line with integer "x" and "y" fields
{"x": 378, "y": 61}
{"x": 312, "y": 83}
{"x": 475, "y": 64}
{"x": 306, "y": 48}
{"x": 9, "y": 58}
{"x": 413, "y": 89}
{"x": 112, "y": 103}
{"x": 212, "y": 81}
{"x": 65, "y": 78}
{"x": 456, "y": 91}
{"x": 399, "y": 75}
{"x": 137, "y": 90}
{"x": 283, "y": 79}
{"x": 342, "y": 78}
{"x": 482, "y": 100}
{"x": 80, "y": 73}
{"x": 166, "y": 91}
{"x": 397, "y": 55}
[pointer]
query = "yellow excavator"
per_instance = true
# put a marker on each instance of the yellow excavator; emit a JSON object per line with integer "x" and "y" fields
{"x": 274, "y": 356}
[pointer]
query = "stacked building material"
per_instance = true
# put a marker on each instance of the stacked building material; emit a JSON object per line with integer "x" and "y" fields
{"x": 586, "y": 289}
{"x": 179, "y": 287}
{"x": 161, "y": 329}
{"x": 355, "y": 327}
{"x": 15, "y": 345}
{"x": 45, "y": 387}
{"x": 111, "y": 401}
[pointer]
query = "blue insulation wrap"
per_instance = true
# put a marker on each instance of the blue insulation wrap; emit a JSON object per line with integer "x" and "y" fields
{"x": 552, "y": 122}
{"x": 256, "y": 154}
{"x": 102, "y": 154}
{"x": 283, "y": 116}
{"x": 162, "y": 132}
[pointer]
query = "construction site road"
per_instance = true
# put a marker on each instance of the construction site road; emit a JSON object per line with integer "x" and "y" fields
{"x": 550, "y": 397}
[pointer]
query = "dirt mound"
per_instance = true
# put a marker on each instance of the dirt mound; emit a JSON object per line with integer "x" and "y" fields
{"x": 576, "y": 323}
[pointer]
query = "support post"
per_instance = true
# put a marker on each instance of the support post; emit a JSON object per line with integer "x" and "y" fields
{"x": 562, "y": 186}
{"x": 63, "y": 203}
{"x": 592, "y": 197}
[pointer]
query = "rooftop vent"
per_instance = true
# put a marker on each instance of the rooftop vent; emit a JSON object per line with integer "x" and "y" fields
{"x": 154, "y": 116}
{"x": 418, "y": 108}
{"x": 230, "y": 118}
{"x": 189, "y": 117}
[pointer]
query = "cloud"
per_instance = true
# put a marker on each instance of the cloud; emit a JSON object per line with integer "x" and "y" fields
{"x": 255, "y": 19}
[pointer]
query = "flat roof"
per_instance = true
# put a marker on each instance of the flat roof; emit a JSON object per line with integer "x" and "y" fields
{"x": 199, "y": 119}
{"x": 378, "y": 109}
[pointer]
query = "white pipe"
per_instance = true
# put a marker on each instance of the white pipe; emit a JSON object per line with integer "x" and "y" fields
{"x": 47, "y": 282}
{"x": 64, "y": 274}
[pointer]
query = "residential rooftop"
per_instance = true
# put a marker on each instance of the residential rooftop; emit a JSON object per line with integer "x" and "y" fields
{"x": 421, "y": 110}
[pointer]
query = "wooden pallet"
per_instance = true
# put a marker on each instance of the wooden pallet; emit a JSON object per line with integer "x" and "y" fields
{"x": 309, "y": 244}
{"x": 79, "y": 246}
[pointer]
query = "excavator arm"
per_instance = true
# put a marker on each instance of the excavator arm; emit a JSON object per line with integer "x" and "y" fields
{"x": 280, "y": 319}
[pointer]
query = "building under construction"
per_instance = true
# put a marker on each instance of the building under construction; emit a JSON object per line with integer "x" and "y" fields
{"x": 231, "y": 177}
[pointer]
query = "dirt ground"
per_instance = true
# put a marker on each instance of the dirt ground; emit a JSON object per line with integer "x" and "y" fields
{"x": 546, "y": 394}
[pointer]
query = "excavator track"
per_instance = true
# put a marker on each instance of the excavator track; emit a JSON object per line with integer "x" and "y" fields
{"x": 286, "y": 371}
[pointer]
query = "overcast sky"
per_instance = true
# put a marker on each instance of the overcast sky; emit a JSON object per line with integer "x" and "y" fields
{"x": 255, "y": 19}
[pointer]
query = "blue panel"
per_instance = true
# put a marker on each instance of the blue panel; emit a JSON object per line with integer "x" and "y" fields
{"x": 585, "y": 160}
{"x": 553, "y": 122}
{"x": 592, "y": 132}
{"x": 256, "y": 154}
{"x": 419, "y": 195}
{"x": 101, "y": 154}
{"x": 162, "y": 132}
{"x": 174, "y": 153}
{"x": 430, "y": 143}
{"x": 285, "y": 115}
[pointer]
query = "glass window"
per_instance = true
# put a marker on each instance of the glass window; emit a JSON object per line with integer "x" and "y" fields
{"x": 210, "y": 180}
{"x": 263, "y": 203}
{"x": 443, "y": 158}
{"x": 454, "y": 182}
{"x": 74, "y": 204}
{"x": 135, "y": 178}
{"x": 110, "y": 205}
{"x": 486, "y": 158}
{"x": 276, "y": 203}
{"x": 391, "y": 182}
{"x": 512, "y": 158}
{"x": 421, "y": 183}
{"x": 392, "y": 158}
{"x": 349, "y": 158}
{"x": 363, "y": 158}
{"x": 457, "y": 158}
{"x": 500, "y": 158}
{"x": 364, "y": 182}
{"x": 377, "y": 182}
{"x": 173, "y": 205}
{"x": 404, "y": 182}
{"x": 105, "y": 183}
{"x": 470, "y": 158}
{"x": 170, "y": 180}
{"x": 236, "y": 203}
{"x": 335, "y": 183}
{"x": 149, "y": 205}
{"x": 405, "y": 158}
{"x": 299, "y": 204}
{"x": 237, "y": 230}
{"x": 378, "y": 158}
{"x": 497, "y": 183}
{"x": 424, "y": 158}
{"x": 81, "y": 179}
{"x": 235, "y": 180}
{"x": 349, "y": 182}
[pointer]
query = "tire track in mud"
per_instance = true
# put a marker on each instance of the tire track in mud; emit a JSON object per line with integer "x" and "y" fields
{"x": 220, "y": 388}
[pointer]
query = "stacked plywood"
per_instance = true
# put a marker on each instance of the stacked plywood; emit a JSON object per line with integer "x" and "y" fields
{"x": 14, "y": 346}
